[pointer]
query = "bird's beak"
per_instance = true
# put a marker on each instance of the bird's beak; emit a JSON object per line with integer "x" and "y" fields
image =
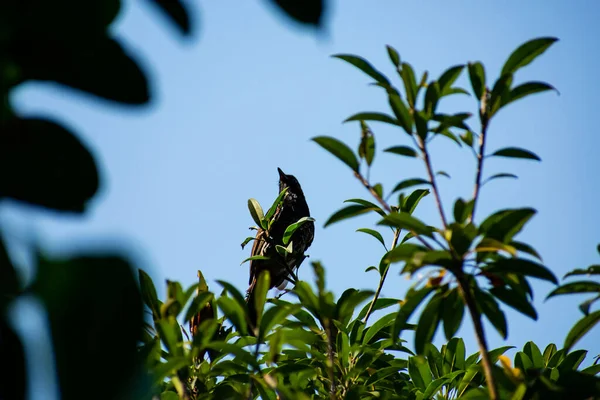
{"x": 282, "y": 176}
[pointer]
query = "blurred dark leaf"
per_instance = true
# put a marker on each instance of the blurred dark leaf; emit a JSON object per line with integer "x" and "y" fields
{"x": 366, "y": 149}
{"x": 448, "y": 78}
{"x": 514, "y": 299}
{"x": 42, "y": 163}
{"x": 521, "y": 266}
{"x": 176, "y": 11}
{"x": 410, "y": 203}
{"x": 149, "y": 293}
{"x": 373, "y": 116}
{"x": 498, "y": 176}
{"x": 394, "y": 56}
{"x": 452, "y": 313}
{"x": 527, "y": 89}
{"x": 367, "y": 204}
{"x": 410, "y": 83}
{"x": 526, "y": 53}
{"x": 338, "y": 149}
{"x": 95, "y": 313}
{"x": 13, "y": 384}
{"x": 306, "y": 12}
{"x": 402, "y": 150}
{"x": 489, "y": 307}
{"x": 98, "y": 66}
{"x": 413, "y": 299}
{"x": 503, "y": 225}
{"x": 591, "y": 270}
{"x": 410, "y": 183}
{"x": 515, "y": 152}
{"x": 428, "y": 323}
{"x": 10, "y": 284}
{"x": 576, "y": 287}
{"x": 405, "y": 221}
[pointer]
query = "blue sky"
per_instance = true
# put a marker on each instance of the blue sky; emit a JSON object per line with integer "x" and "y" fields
{"x": 248, "y": 91}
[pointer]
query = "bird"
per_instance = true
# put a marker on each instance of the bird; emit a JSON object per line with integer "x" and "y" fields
{"x": 281, "y": 269}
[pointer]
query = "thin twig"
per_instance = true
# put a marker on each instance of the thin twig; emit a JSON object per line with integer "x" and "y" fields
{"x": 469, "y": 300}
{"x": 483, "y": 117}
{"x": 382, "y": 280}
{"x": 436, "y": 191}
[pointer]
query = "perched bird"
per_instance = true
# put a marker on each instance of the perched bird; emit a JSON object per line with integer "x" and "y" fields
{"x": 281, "y": 269}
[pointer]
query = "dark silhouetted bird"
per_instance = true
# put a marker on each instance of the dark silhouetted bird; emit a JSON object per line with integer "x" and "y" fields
{"x": 281, "y": 269}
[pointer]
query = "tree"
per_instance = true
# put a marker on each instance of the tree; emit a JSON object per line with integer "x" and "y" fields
{"x": 318, "y": 347}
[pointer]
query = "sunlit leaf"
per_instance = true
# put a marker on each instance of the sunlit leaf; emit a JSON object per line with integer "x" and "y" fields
{"x": 256, "y": 212}
{"x": 289, "y": 231}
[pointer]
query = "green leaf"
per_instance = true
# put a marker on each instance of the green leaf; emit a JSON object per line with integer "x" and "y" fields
{"x": 254, "y": 258}
{"x": 489, "y": 307}
{"x": 402, "y": 150}
{"x": 413, "y": 299}
{"x": 273, "y": 208}
{"x": 454, "y": 354}
{"x": 534, "y": 354}
{"x": 401, "y": 112}
{"x": 500, "y": 92}
{"x": 492, "y": 245}
{"x": 421, "y": 123}
{"x": 378, "y": 188}
{"x": 198, "y": 304}
{"x": 275, "y": 316}
{"x": 524, "y": 267}
{"x": 410, "y": 83}
{"x": 477, "y": 77}
{"x": 525, "y": 248}
{"x": 256, "y": 212}
{"x": 149, "y": 293}
{"x": 235, "y": 350}
{"x": 289, "y": 231}
{"x": 381, "y": 323}
{"x": 514, "y": 299}
{"x": 177, "y": 14}
{"x": 410, "y": 203}
{"x": 428, "y": 323}
{"x": 373, "y": 116}
{"x": 410, "y": 183}
{"x": 247, "y": 240}
{"x": 572, "y": 361}
{"x": 462, "y": 210}
{"x": 576, "y": 287}
{"x": 523, "y": 362}
{"x": 467, "y": 138}
{"x": 432, "y": 96}
{"x": 591, "y": 270}
{"x": 452, "y": 313}
{"x": 498, "y": 176}
{"x": 260, "y": 294}
{"x": 310, "y": 13}
{"x": 526, "y": 53}
{"x": 515, "y": 152}
{"x": 419, "y": 372}
{"x": 367, "y": 204}
{"x": 448, "y": 78}
{"x": 348, "y": 212}
{"x": 406, "y": 221}
{"x": 581, "y": 328}
{"x": 338, "y": 149}
{"x": 443, "y": 173}
{"x": 548, "y": 353}
{"x": 235, "y": 313}
{"x": 505, "y": 224}
{"x": 365, "y": 67}
{"x": 373, "y": 233}
{"x": 394, "y": 56}
{"x": 527, "y": 89}
{"x": 380, "y": 304}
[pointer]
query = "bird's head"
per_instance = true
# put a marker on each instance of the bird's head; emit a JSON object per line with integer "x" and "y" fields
{"x": 290, "y": 182}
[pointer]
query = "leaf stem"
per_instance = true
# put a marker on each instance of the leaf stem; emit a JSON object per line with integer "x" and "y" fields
{"x": 467, "y": 295}
{"x": 382, "y": 280}
{"x": 483, "y": 117}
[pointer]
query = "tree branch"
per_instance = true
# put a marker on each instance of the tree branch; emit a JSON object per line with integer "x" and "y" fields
{"x": 483, "y": 117}
{"x": 467, "y": 295}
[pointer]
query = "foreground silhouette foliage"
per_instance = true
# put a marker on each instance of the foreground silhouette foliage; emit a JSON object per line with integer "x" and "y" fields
{"x": 310, "y": 344}
{"x": 45, "y": 165}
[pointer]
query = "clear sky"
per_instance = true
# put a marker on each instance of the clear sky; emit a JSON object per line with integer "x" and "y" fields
{"x": 248, "y": 91}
